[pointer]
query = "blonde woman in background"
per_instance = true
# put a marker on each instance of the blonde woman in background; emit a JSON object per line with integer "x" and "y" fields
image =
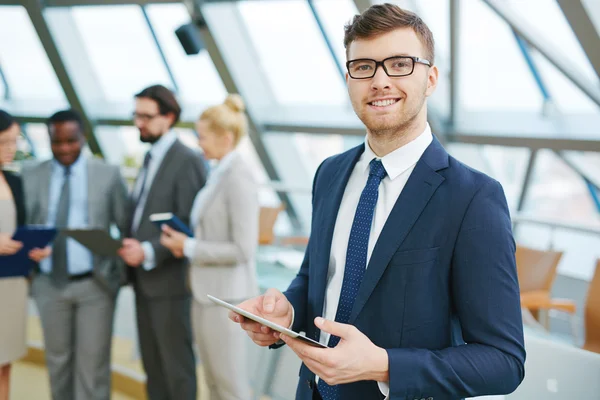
{"x": 225, "y": 221}
{"x": 13, "y": 290}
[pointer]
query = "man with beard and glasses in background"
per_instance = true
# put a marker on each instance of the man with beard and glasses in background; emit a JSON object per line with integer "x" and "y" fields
{"x": 409, "y": 275}
{"x": 171, "y": 176}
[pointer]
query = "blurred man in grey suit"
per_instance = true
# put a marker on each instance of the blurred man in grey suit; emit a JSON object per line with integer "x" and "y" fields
{"x": 74, "y": 290}
{"x": 171, "y": 176}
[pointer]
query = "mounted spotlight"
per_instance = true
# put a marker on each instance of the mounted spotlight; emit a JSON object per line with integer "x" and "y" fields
{"x": 190, "y": 39}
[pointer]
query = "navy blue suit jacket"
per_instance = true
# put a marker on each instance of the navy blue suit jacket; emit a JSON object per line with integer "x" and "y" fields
{"x": 440, "y": 293}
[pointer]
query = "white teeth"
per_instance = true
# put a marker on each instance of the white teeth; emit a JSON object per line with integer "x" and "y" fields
{"x": 384, "y": 103}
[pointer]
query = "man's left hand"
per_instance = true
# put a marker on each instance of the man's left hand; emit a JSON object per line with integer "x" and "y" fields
{"x": 132, "y": 252}
{"x": 355, "y": 358}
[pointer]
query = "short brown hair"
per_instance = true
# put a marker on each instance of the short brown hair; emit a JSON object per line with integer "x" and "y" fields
{"x": 167, "y": 103}
{"x": 384, "y": 18}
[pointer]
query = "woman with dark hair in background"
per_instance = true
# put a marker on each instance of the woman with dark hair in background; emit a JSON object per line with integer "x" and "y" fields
{"x": 13, "y": 290}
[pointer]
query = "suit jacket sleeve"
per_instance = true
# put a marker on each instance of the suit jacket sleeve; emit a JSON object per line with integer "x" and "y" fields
{"x": 243, "y": 210}
{"x": 119, "y": 201}
{"x": 189, "y": 180}
{"x": 486, "y": 300}
{"x": 16, "y": 187}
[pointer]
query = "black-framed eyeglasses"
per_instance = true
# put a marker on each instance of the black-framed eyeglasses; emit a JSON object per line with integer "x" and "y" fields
{"x": 143, "y": 117}
{"x": 365, "y": 68}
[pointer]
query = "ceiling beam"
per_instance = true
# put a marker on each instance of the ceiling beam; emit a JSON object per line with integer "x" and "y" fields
{"x": 560, "y": 60}
{"x": 35, "y": 11}
{"x": 75, "y": 3}
{"x": 583, "y": 27}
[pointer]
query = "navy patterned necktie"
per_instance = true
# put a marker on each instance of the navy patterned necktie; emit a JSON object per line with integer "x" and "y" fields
{"x": 356, "y": 258}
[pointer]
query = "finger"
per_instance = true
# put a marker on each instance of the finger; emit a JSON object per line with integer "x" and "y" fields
{"x": 264, "y": 343}
{"x": 306, "y": 351}
{"x": 335, "y": 328}
{"x": 167, "y": 229}
{"x": 235, "y": 317}
{"x": 261, "y": 337}
{"x": 274, "y": 302}
{"x": 249, "y": 325}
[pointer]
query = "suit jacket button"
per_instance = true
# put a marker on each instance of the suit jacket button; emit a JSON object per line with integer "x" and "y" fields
{"x": 430, "y": 398}
{"x": 310, "y": 384}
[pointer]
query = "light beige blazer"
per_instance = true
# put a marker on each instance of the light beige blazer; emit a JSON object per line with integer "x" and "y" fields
{"x": 226, "y": 235}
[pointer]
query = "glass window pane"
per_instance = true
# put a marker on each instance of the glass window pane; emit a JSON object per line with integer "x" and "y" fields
{"x": 335, "y": 14}
{"x": 507, "y": 165}
{"x": 38, "y": 136}
{"x": 493, "y": 72}
{"x": 266, "y": 195}
{"x": 588, "y": 162}
{"x": 24, "y": 62}
{"x": 293, "y": 53}
{"x": 565, "y": 95}
{"x": 196, "y": 76}
{"x": 593, "y": 9}
{"x": 558, "y": 192}
{"x": 548, "y": 19}
{"x": 121, "y": 49}
{"x": 121, "y": 145}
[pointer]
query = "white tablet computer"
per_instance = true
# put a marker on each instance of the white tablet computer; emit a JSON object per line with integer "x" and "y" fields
{"x": 265, "y": 322}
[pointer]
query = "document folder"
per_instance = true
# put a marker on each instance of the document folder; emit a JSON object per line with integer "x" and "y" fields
{"x": 172, "y": 221}
{"x": 97, "y": 241}
{"x": 19, "y": 264}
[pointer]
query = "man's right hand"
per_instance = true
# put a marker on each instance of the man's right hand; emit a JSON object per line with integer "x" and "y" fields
{"x": 273, "y": 306}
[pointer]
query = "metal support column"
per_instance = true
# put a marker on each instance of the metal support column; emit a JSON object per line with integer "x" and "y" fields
{"x": 583, "y": 27}
{"x": 454, "y": 60}
{"x": 527, "y": 179}
{"x": 5, "y": 84}
{"x": 195, "y": 7}
{"x": 35, "y": 10}
{"x": 159, "y": 48}
{"x": 338, "y": 65}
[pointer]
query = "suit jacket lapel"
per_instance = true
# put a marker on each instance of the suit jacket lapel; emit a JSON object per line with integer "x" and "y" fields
{"x": 93, "y": 191}
{"x": 421, "y": 185}
{"x": 44, "y": 176}
{"x": 163, "y": 169}
{"x": 335, "y": 193}
{"x": 213, "y": 188}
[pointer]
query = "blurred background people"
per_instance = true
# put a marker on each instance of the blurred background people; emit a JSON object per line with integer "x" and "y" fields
{"x": 171, "y": 176}
{"x": 74, "y": 290}
{"x": 13, "y": 290}
{"x": 222, "y": 252}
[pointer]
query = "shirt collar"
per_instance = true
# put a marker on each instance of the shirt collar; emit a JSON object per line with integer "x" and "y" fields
{"x": 401, "y": 159}
{"x": 225, "y": 162}
{"x": 162, "y": 145}
{"x": 76, "y": 168}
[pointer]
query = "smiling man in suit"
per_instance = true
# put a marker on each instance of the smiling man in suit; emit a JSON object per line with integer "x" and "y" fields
{"x": 409, "y": 275}
{"x": 74, "y": 290}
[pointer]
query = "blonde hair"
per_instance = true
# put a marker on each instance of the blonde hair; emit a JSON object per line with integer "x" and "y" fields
{"x": 228, "y": 117}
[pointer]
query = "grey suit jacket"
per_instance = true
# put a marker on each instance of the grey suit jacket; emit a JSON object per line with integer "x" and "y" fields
{"x": 180, "y": 176}
{"x": 226, "y": 232}
{"x": 107, "y": 205}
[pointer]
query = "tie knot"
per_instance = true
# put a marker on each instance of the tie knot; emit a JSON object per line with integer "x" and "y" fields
{"x": 377, "y": 169}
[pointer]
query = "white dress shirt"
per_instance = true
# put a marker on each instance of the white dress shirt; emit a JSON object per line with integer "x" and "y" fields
{"x": 398, "y": 164}
{"x": 157, "y": 153}
{"x": 204, "y": 193}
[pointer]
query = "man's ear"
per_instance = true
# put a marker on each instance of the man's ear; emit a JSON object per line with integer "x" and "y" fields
{"x": 432, "y": 80}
